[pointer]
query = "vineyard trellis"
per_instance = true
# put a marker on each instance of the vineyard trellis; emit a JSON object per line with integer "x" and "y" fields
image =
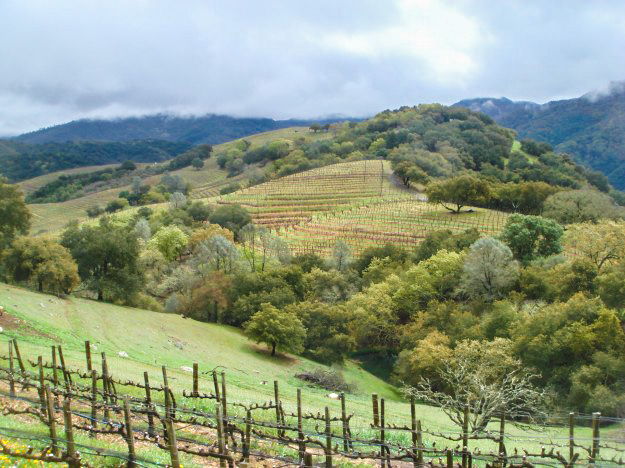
{"x": 236, "y": 433}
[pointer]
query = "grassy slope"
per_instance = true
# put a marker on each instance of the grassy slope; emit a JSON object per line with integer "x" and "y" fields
{"x": 153, "y": 339}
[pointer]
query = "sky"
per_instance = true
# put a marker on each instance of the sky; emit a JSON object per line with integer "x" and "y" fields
{"x": 62, "y": 60}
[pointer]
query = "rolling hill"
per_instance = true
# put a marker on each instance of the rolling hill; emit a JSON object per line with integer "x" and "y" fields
{"x": 212, "y": 129}
{"x": 591, "y": 127}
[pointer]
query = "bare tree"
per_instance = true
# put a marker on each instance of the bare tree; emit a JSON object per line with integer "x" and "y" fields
{"x": 484, "y": 377}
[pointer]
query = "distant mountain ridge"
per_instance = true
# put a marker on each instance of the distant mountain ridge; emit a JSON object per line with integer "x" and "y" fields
{"x": 211, "y": 128}
{"x": 591, "y": 128}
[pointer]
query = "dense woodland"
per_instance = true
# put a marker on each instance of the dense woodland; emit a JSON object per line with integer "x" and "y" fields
{"x": 590, "y": 127}
{"x": 544, "y": 298}
{"x": 20, "y": 161}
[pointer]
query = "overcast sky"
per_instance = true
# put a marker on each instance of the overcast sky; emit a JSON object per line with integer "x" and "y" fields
{"x": 62, "y": 60}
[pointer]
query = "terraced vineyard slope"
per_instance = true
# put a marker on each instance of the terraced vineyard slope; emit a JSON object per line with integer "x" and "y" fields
{"x": 359, "y": 202}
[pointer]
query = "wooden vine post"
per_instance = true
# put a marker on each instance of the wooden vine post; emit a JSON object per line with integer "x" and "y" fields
{"x": 502, "y": 441}
{"x": 376, "y": 416}
{"x": 41, "y": 389}
{"x": 19, "y": 358}
{"x": 465, "y": 436}
{"x": 247, "y": 439}
{"x": 596, "y": 417}
{"x": 55, "y": 376}
{"x": 94, "y": 401}
{"x": 413, "y": 427}
{"x": 328, "y": 447}
{"x": 276, "y": 394}
{"x": 216, "y": 384}
{"x": 73, "y": 461}
{"x": 11, "y": 372}
{"x": 220, "y": 435}
{"x": 344, "y": 423}
{"x": 571, "y": 438}
{"x": 300, "y": 431}
{"x": 196, "y": 379}
{"x": 130, "y": 439}
{"x": 88, "y": 355}
{"x": 52, "y": 422}
{"x": 148, "y": 404}
{"x": 172, "y": 443}
{"x": 105, "y": 387}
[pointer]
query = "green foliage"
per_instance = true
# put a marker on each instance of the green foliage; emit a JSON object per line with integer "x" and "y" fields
{"x": 459, "y": 191}
{"x": 29, "y": 160}
{"x": 580, "y": 206}
{"x": 232, "y": 217}
{"x": 445, "y": 240}
{"x": 530, "y": 237}
{"x": 170, "y": 241}
{"x": 43, "y": 261}
{"x": 327, "y": 333}
{"x": 277, "y": 329}
{"x": 489, "y": 270}
{"x": 106, "y": 256}
{"x": 14, "y": 214}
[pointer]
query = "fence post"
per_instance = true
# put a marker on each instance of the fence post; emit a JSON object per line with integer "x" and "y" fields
{"x": 220, "y": 435}
{"x": 129, "y": 434}
{"x": 276, "y": 394}
{"x": 419, "y": 444}
{"x": 19, "y": 358}
{"x": 67, "y": 378}
{"x": 308, "y": 460}
{"x": 383, "y": 448}
{"x": 217, "y": 393}
{"x": 502, "y": 434}
{"x": 374, "y": 401}
{"x": 171, "y": 442}
{"x": 55, "y": 376}
{"x": 328, "y": 440}
{"x": 224, "y": 399}
{"x": 300, "y": 431}
{"x": 88, "y": 355}
{"x": 42, "y": 384}
{"x": 344, "y": 422}
{"x": 148, "y": 403}
{"x": 413, "y": 426}
{"x": 52, "y": 422}
{"x": 465, "y": 436}
{"x": 571, "y": 438}
{"x": 73, "y": 461}
{"x": 246, "y": 442}
{"x": 450, "y": 458}
{"x": 595, "y": 437}
{"x": 94, "y": 401}
{"x": 11, "y": 371}
{"x": 196, "y": 384}
{"x": 105, "y": 387}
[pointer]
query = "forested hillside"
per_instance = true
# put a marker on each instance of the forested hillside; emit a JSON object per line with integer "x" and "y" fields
{"x": 591, "y": 128}
{"x": 19, "y": 161}
{"x": 211, "y": 129}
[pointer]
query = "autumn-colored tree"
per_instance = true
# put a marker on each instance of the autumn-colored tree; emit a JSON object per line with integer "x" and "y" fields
{"x": 601, "y": 243}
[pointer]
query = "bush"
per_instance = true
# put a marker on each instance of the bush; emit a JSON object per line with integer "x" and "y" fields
{"x": 95, "y": 211}
{"x": 329, "y": 379}
{"x": 233, "y": 187}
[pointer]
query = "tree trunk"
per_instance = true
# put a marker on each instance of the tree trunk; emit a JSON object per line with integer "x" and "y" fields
{"x": 100, "y": 295}
{"x": 273, "y": 349}
{"x": 40, "y": 286}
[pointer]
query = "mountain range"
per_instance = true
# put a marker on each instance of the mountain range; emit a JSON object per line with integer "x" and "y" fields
{"x": 591, "y": 127}
{"x": 210, "y": 128}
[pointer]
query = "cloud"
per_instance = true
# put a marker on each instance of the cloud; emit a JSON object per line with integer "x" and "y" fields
{"x": 65, "y": 60}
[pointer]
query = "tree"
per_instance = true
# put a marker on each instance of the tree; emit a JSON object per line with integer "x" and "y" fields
{"x": 106, "y": 256}
{"x": 177, "y": 201}
{"x": 530, "y": 237}
{"x": 197, "y": 163}
{"x": 14, "y": 214}
{"x": 277, "y": 329}
{"x": 170, "y": 241}
{"x": 409, "y": 172}
{"x": 43, "y": 261}
{"x": 142, "y": 229}
{"x": 486, "y": 378}
{"x": 601, "y": 243}
{"x": 459, "y": 191}
{"x": 579, "y": 206}
{"x": 341, "y": 255}
{"x": 219, "y": 252}
{"x": 489, "y": 269}
{"x": 116, "y": 205}
{"x": 232, "y": 217}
